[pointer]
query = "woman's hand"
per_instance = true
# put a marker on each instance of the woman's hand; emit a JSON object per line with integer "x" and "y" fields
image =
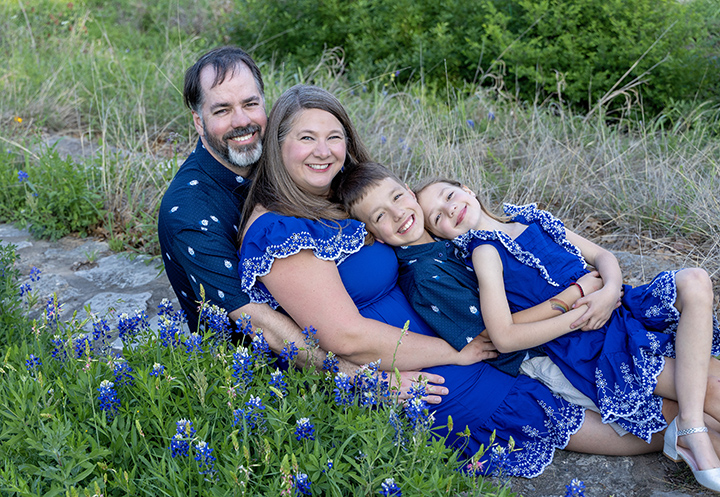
{"x": 409, "y": 379}
{"x": 480, "y": 349}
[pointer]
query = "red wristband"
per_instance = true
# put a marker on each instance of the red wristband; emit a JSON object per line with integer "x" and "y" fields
{"x": 582, "y": 294}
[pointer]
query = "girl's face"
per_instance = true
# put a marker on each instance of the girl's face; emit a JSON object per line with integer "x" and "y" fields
{"x": 313, "y": 151}
{"x": 449, "y": 210}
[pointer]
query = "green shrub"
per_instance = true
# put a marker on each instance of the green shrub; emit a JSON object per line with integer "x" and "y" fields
{"x": 51, "y": 196}
{"x": 582, "y": 48}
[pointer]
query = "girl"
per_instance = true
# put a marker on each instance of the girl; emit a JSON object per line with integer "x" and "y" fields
{"x": 522, "y": 258}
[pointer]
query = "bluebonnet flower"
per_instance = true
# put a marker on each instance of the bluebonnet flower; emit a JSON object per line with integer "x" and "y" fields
{"x": 157, "y": 369}
{"x": 245, "y": 324}
{"x": 101, "y": 334}
{"x": 396, "y": 423}
{"x": 169, "y": 331}
{"x": 108, "y": 399}
{"x": 52, "y": 311}
{"x": 25, "y": 289}
{"x": 302, "y": 484}
{"x": 304, "y": 429}
{"x": 397, "y": 73}
{"x": 32, "y": 364}
{"x": 130, "y": 327}
{"x": 491, "y": 115}
{"x": 22, "y": 176}
{"x": 180, "y": 443}
{"x": 35, "y": 274}
{"x": 260, "y": 347}
{"x": 278, "y": 381}
{"x": 243, "y": 367}
{"x": 471, "y": 123}
{"x": 252, "y": 414}
{"x": 343, "y": 392}
{"x": 498, "y": 460}
{"x": 289, "y": 352}
{"x": 416, "y": 408}
{"x": 81, "y": 344}
{"x": 204, "y": 457}
{"x": 330, "y": 363}
{"x": 216, "y": 319}
{"x": 193, "y": 344}
{"x": 310, "y": 339}
{"x": 373, "y": 386}
{"x": 121, "y": 371}
{"x": 575, "y": 489}
{"x": 58, "y": 352}
{"x": 165, "y": 308}
{"x": 388, "y": 487}
{"x": 383, "y": 139}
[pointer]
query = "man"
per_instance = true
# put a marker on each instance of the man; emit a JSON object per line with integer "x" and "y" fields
{"x": 200, "y": 213}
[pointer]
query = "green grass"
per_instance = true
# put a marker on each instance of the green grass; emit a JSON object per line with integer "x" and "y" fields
{"x": 110, "y": 75}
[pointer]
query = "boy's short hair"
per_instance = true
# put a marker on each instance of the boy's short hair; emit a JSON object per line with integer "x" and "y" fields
{"x": 357, "y": 181}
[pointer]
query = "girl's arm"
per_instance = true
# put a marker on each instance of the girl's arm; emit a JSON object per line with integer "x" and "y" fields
{"x": 505, "y": 334}
{"x": 600, "y": 304}
{"x": 311, "y": 292}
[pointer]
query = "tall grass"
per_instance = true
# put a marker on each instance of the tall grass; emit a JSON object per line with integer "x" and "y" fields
{"x": 111, "y": 75}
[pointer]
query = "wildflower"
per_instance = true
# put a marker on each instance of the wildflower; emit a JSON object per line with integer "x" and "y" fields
{"x": 372, "y": 389}
{"x": 169, "y": 330}
{"x": 396, "y": 423}
{"x": 32, "y": 364}
{"x": 343, "y": 392}
{"x": 52, "y": 311}
{"x": 383, "y": 139}
{"x": 575, "y": 489}
{"x": 330, "y": 363}
{"x": 245, "y": 324}
{"x": 122, "y": 370}
{"x": 289, "y": 352}
{"x": 58, "y": 352}
{"x": 475, "y": 468}
{"x": 130, "y": 327}
{"x": 203, "y": 455}
{"x": 157, "y": 369}
{"x": 18, "y": 119}
{"x": 25, "y": 289}
{"x": 101, "y": 334}
{"x": 108, "y": 399}
{"x": 302, "y": 484}
{"x": 243, "y": 366}
{"x": 388, "y": 487}
{"x": 260, "y": 347}
{"x": 22, "y": 176}
{"x": 216, "y": 320}
{"x": 34, "y": 274}
{"x": 304, "y": 430}
{"x": 278, "y": 381}
{"x": 193, "y": 344}
{"x": 471, "y": 123}
{"x": 416, "y": 408}
{"x": 252, "y": 414}
{"x": 309, "y": 334}
{"x": 491, "y": 116}
{"x": 179, "y": 444}
{"x": 165, "y": 308}
{"x": 397, "y": 73}
{"x": 81, "y": 344}
{"x": 498, "y": 459}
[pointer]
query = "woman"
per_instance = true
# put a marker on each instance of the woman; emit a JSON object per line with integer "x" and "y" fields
{"x": 301, "y": 252}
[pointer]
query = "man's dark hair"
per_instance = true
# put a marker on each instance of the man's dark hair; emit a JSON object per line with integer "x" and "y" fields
{"x": 224, "y": 60}
{"x": 357, "y": 181}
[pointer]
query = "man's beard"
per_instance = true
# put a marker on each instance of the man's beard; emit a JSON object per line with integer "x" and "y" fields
{"x": 242, "y": 156}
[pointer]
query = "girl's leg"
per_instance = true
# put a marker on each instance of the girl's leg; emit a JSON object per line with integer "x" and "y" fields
{"x": 594, "y": 437}
{"x": 686, "y": 378}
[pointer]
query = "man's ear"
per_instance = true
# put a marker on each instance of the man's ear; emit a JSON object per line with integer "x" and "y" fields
{"x": 197, "y": 121}
{"x": 411, "y": 192}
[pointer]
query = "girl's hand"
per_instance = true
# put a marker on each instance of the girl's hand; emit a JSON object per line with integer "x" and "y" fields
{"x": 600, "y": 305}
{"x": 590, "y": 282}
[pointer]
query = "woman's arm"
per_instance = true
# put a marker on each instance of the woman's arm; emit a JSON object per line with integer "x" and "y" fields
{"x": 600, "y": 304}
{"x": 312, "y": 293}
{"x": 505, "y": 334}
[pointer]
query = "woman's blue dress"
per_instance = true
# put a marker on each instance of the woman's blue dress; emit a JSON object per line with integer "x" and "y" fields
{"x": 481, "y": 397}
{"x": 616, "y": 366}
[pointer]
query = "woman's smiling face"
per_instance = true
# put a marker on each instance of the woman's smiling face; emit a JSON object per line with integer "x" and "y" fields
{"x": 314, "y": 150}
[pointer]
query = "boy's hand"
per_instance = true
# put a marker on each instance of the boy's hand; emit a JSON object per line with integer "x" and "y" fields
{"x": 433, "y": 390}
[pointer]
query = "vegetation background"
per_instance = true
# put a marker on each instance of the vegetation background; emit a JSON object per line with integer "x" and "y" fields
{"x": 605, "y": 112}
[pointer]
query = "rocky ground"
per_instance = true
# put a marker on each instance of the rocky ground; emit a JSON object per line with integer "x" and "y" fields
{"x": 86, "y": 275}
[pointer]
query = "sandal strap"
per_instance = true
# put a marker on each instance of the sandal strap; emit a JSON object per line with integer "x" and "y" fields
{"x": 690, "y": 431}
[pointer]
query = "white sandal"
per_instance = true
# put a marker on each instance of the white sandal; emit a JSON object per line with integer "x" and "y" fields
{"x": 708, "y": 478}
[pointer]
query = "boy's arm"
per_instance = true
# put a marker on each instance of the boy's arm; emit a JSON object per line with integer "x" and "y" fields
{"x": 600, "y": 304}
{"x": 505, "y": 334}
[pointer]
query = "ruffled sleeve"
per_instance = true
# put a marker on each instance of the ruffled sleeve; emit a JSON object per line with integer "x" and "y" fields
{"x": 273, "y": 236}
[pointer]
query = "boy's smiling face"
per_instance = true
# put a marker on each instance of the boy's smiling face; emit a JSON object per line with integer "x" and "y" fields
{"x": 391, "y": 213}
